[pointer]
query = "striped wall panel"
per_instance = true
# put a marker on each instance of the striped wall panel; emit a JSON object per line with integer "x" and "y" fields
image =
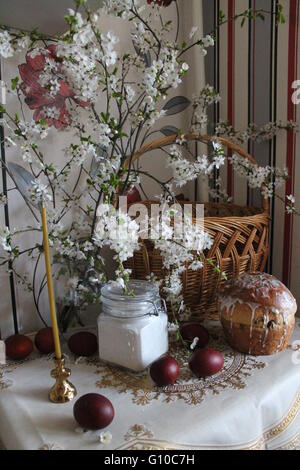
{"x": 256, "y": 67}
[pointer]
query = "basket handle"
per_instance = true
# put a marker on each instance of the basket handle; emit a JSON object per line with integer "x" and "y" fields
{"x": 202, "y": 138}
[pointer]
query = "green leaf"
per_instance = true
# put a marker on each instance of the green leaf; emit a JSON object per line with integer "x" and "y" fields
{"x": 14, "y": 83}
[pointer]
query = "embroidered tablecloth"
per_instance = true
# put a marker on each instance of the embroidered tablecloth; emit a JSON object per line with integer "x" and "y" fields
{"x": 253, "y": 403}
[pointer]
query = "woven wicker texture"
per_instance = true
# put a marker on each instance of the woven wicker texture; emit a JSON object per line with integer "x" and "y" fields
{"x": 241, "y": 243}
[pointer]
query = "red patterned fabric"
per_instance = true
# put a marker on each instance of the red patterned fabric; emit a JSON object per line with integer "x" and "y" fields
{"x": 38, "y": 97}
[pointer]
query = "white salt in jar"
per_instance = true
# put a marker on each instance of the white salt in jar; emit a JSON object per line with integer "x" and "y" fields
{"x": 133, "y": 330}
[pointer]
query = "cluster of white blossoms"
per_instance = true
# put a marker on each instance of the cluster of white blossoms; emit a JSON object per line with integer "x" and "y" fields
{"x": 80, "y": 153}
{"x": 267, "y": 177}
{"x": 290, "y": 204}
{"x": 164, "y": 73}
{"x": 82, "y": 55}
{"x": 118, "y": 231}
{"x": 204, "y": 42}
{"x": 185, "y": 170}
{"x": 6, "y": 49}
{"x": 9, "y": 45}
{"x": 201, "y": 102}
{"x": 181, "y": 245}
{"x": 39, "y": 193}
{"x": 253, "y": 132}
{"x": 105, "y": 168}
{"x": 121, "y": 8}
{"x": 105, "y": 134}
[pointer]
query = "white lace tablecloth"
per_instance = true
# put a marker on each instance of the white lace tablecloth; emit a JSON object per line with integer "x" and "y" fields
{"x": 253, "y": 403}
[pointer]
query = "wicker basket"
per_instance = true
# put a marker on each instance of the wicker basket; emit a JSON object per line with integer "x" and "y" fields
{"x": 241, "y": 242}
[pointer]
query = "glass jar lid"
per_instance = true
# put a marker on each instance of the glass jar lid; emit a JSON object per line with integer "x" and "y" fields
{"x": 145, "y": 299}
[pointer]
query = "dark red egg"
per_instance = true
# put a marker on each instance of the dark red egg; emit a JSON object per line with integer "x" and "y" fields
{"x": 133, "y": 196}
{"x": 164, "y": 371}
{"x": 83, "y": 344}
{"x": 18, "y": 347}
{"x": 194, "y": 330}
{"x": 93, "y": 411}
{"x": 206, "y": 362}
{"x": 44, "y": 341}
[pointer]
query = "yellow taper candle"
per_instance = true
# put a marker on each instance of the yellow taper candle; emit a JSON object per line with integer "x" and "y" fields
{"x": 50, "y": 285}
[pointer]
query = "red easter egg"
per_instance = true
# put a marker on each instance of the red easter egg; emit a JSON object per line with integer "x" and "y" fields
{"x": 206, "y": 362}
{"x": 44, "y": 341}
{"x": 93, "y": 411}
{"x": 164, "y": 371}
{"x": 83, "y": 344}
{"x": 194, "y": 330}
{"x": 133, "y": 196}
{"x": 18, "y": 347}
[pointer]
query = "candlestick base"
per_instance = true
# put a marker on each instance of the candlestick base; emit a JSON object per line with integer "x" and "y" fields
{"x": 63, "y": 391}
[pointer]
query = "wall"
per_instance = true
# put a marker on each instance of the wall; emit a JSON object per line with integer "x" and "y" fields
{"x": 254, "y": 68}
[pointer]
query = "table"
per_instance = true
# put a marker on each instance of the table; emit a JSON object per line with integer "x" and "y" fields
{"x": 253, "y": 403}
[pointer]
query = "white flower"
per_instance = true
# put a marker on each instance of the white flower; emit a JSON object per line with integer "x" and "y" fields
{"x": 292, "y": 199}
{"x": 172, "y": 327}
{"x": 80, "y": 153}
{"x": 105, "y": 437}
{"x": 39, "y": 192}
{"x": 208, "y": 41}
{"x": 84, "y": 36}
{"x": 290, "y": 207}
{"x": 120, "y": 8}
{"x": 5, "y": 239}
{"x": 194, "y": 343}
{"x": 130, "y": 93}
{"x": 185, "y": 67}
{"x": 77, "y": 16}
{"x": 3, "y": 199}
{"x": 23, "y": 43}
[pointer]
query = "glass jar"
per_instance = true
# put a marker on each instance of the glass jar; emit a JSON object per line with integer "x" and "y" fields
{"x": 133, "y": 330}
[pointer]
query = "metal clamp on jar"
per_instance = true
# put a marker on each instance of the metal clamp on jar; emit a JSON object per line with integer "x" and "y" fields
{"x": 132, "y": 328}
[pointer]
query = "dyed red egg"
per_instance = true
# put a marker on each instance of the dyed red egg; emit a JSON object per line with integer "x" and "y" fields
{"x": 164, "y": 371}
{"x": 18, "y": 347}
{"x": 44, "y": 341}
{"x": 83, "y": 344}
{"x": 206, "y": 362}
{"x": 93, "y": 411}
{"x": 194, "y": 330}
{"x": 133, "y": 196}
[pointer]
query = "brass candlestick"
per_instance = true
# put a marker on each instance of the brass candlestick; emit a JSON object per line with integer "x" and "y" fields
{"x": 63, "y": 391}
